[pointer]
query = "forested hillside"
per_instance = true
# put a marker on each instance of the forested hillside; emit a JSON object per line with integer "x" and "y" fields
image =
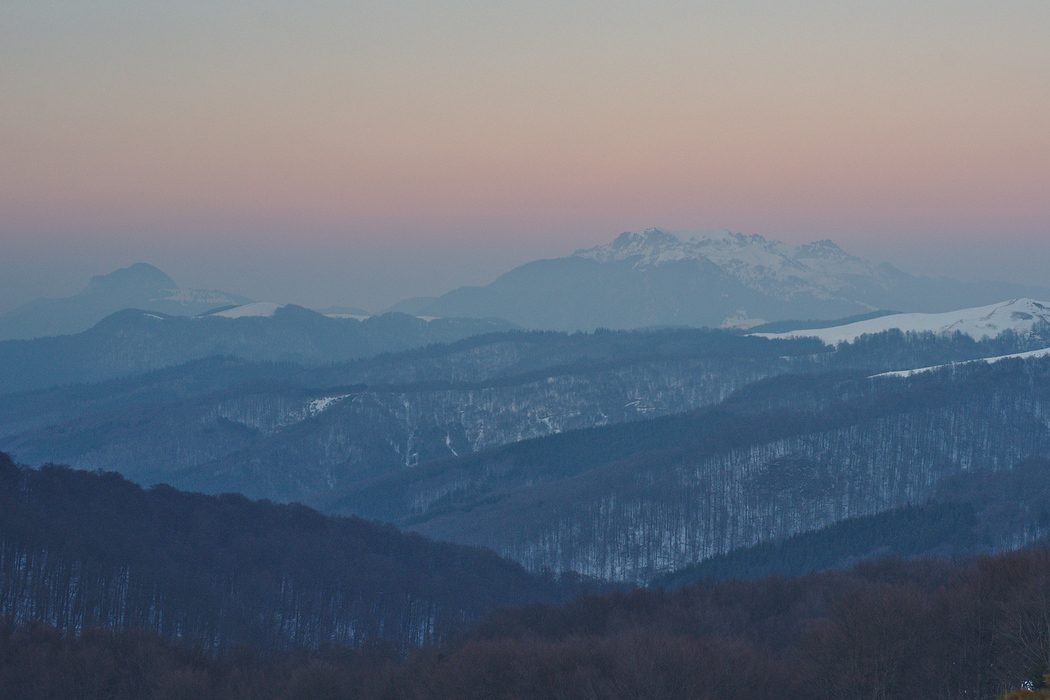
{"x": 933, "y": 528}
{"x": 781, "y": 457}
{"x": 288, "y": 432}
{"x": 896, "y": 630}
{"x": 80, "y": 550}
{"x": 978, "y": 510}
{"x": 622, "y": 456}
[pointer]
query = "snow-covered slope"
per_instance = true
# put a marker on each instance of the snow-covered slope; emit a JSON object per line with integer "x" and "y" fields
{"x": 1018, "y": 315}
{"x": 1030, "y": 355}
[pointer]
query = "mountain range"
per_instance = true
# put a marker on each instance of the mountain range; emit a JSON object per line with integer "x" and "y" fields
{"x": 572, "y": 451}
{"x": 709, "y": 278}
{"x": 563, "y": 450}
{"x": 653, "y": 278}
{"x": 132, "y": 341}
{"x": 140, "y": 286}
{"x": 417, "y": 475}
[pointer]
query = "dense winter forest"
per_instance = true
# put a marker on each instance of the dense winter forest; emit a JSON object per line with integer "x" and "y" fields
{"x": 82, "y": 550}
{"x": 787, "y": 455}
{"x": 291, "y": 432}
{"x": 113, "y": 591}
{"x": 893, "y": 629}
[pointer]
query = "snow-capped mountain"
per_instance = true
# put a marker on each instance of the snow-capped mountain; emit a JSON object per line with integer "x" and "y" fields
{"x": 821, "y": 269}
{"x": 1018, "y": 315}
{"x": 705, "y": 278}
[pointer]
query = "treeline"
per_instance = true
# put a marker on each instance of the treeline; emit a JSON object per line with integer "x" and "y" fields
{"x": 82, "y": 550}
{"x": 896, "y": 349}
{"x": 926, "y": 628}
{"x": 891, "y": 629}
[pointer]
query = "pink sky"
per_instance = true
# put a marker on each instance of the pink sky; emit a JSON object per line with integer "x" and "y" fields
{"x": 358, "y": 153}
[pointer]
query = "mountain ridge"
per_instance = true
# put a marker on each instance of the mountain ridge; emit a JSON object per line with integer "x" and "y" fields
{"x": 712, "y": 277}
{"x": 140, "y": 286}
{"x": 134, "y": 340}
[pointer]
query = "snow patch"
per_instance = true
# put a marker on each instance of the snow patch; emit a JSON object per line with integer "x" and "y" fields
{"x": 258, "y": 308}
{"x": 320, "y": 405}
{"x": 742, "y": 321}
{"x": 1018, "y": 315}
{"x": 1045, "y": 352}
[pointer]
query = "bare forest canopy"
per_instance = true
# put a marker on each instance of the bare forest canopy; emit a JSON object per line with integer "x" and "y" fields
{"x": 892, "y": 629}
{"x": 82, "y": 550}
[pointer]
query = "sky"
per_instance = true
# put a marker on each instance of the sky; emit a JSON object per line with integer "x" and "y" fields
{"x": 329, "y": 152}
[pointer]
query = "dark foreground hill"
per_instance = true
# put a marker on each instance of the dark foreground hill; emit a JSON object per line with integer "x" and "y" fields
{"x": 80, "y": 550}
{"x": 895, "y": 630}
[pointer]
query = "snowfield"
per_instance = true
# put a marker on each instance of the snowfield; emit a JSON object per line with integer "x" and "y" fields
{"x": 258, "y": 308}
{"x": 1018, "y": 315}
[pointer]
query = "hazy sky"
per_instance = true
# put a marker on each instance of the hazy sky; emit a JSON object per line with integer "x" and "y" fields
{"x": 335, "y": 152}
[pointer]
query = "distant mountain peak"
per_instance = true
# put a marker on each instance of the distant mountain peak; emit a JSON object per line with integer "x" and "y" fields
{"x": 140, "y": 276}
{"x": 707, "y": 277}
{"x": 771, "y": 267}
{"x": 657, "y": 245}
{"x": 139, "y": 286}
